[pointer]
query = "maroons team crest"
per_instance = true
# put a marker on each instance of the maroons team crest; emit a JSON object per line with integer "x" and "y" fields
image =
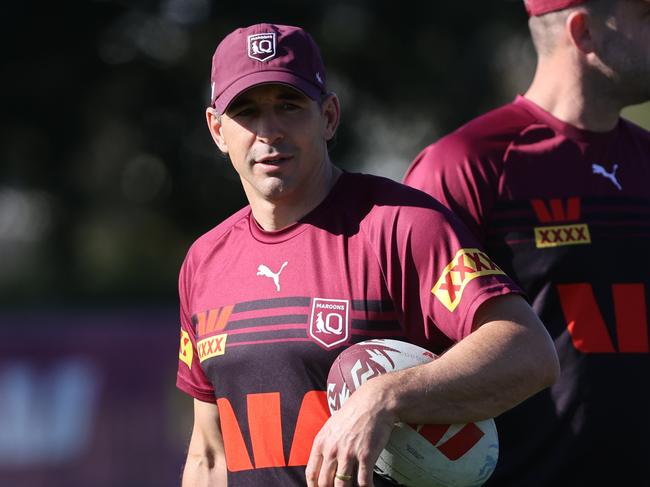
{"x": 329, "y": 325}
{"x": 261, "y": 46}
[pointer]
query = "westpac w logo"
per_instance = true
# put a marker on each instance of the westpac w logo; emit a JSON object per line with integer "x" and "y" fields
{"x": 559, "y": 212}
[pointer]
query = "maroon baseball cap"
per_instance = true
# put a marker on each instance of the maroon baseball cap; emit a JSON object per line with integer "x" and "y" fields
{"x": 541, "y": 7}
{"x": 266, "y": 53}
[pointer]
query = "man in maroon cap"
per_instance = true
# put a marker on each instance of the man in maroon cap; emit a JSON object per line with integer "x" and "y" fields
{"x": 319, "y": 260}
{"x": 557, "y": 188}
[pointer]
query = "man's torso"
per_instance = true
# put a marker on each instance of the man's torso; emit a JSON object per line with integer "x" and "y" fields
{"x": 569, "y": 220}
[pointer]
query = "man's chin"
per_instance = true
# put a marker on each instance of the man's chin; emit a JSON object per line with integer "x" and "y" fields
{"x": 274, "y": 189}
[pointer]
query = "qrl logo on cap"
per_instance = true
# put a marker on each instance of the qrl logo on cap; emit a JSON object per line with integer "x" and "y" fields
{"x": 261, "y": 46}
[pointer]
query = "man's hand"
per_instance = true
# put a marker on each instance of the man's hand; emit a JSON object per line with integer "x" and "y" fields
{"x": 346, "y": 448}
{"x": 508, "y": 357}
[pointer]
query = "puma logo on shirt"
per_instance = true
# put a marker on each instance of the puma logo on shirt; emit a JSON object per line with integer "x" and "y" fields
{"x": 598, "y": 169}
{"x": 263, "y": 270}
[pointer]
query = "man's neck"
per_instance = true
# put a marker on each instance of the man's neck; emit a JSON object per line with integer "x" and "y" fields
{"x": 276, "y": 215}
{"x": 565, "y": 93}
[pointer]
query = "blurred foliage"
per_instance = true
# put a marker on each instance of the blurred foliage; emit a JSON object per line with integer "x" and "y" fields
{"x": 107, "y": 171}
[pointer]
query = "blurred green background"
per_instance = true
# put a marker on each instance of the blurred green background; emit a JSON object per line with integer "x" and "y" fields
{"x": 108, "y": 173}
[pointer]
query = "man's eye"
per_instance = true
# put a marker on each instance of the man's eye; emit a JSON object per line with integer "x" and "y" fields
{"x": 243, "y": 112}
{"x": 289, "y": 106}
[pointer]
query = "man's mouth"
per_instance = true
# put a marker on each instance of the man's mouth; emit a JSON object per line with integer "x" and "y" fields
{"x": 273, "y": 160}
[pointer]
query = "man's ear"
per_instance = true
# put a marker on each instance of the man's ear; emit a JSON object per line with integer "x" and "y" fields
{"x": 332, "y": 114}
{"x": 214, "y": 126}
{"x": 579, "y": 28}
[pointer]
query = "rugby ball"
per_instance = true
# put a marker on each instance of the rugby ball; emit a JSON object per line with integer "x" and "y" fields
{"x": 456, "y": 455}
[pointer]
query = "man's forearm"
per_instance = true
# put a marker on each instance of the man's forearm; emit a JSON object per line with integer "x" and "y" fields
{"x": 204, "y": 470}
{"x": 493, "y": 369}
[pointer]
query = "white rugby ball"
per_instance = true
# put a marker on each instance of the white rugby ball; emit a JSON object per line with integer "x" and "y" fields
{"x": 457, "y": 455}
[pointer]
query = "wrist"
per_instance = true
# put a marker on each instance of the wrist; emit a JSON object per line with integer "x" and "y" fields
{"x": 383, "y": 392}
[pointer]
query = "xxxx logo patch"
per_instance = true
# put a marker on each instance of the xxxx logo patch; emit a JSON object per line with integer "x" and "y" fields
{"x": 466, "y": 265}
{"x": 185, "y": 351}
{"x": 560, "y": 219}
{"x": 562, "y": 235}
{"x": 212, "y": 346}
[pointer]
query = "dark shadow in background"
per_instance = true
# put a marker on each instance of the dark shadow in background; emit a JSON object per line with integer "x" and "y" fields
{"x": 108, "y": 173}
{"x": 107, "y": 169}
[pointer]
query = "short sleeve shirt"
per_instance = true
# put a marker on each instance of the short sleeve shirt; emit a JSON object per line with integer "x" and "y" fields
{"x": 566, "y": 213}
{"x": 264, "y": 314}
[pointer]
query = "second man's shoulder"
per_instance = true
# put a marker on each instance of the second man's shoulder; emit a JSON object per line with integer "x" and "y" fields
{"x": 487, "y": 135}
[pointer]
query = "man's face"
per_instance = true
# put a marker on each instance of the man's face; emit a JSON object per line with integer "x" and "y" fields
{"x": 276, "y": 138}
{"x": 624, "y": 47}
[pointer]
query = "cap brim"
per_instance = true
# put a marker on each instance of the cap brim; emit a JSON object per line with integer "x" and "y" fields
{"x": 536, "y": 8}
{"x": 265, "y": 77}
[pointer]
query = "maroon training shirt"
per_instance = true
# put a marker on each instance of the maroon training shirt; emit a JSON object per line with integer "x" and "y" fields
{"x": 566, "y": 213}
{"x": 264, "y": 314}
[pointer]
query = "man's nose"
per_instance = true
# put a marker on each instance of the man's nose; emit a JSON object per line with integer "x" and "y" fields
{"x": 269, "y": 128}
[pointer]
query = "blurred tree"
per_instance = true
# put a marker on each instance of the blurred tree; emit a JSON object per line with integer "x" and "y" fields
{"x": 107, "y": 172}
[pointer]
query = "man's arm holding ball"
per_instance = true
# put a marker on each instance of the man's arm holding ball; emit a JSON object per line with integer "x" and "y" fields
{"x": 508, "y": 357}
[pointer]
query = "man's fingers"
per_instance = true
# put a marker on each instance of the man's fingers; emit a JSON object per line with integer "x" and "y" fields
{"x": 345, "y": 474}
{"x": 313, "y": 469}
{"x": 364, "y": 475}
{"x": 327, "y": 471}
